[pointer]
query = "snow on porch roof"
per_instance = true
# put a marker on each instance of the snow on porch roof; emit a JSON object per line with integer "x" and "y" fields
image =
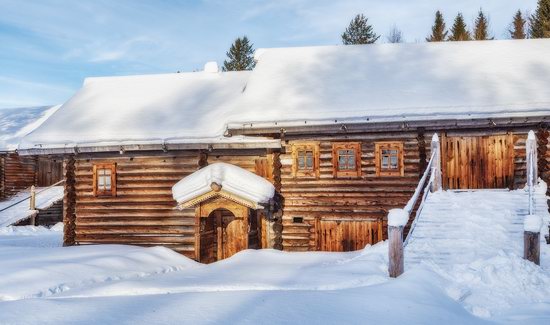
{"x": 396, "y": 82}
{"x": 147, "y": 109}
{"x": 15, "y": 123}
{"x": 233, "y": 179}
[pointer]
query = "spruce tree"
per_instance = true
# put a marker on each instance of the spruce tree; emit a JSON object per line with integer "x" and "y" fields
{"x": 540, "y": 20}
{"x": 439, "y": 34}
{"x": 359, "y": 32}
{"x": 459, "y": 31}
{"x": 240, "y": 56}
{"x": 518, "y": 26}
{"x": 481, "y": 28}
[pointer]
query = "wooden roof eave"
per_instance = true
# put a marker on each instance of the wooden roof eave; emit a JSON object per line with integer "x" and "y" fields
{"x": 335, "y": 127}
{"x": 261, "y": 144}
{"x": 216, "y": 194}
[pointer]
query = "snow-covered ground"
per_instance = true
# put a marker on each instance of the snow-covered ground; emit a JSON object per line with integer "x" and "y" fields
{"x": 17, "y": 207}
{"x": 113, "y": 284}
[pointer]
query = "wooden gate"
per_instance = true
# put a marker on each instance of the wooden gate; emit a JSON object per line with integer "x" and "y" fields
{"x": 345, "y": 235}
{"x": 473, "y": 162}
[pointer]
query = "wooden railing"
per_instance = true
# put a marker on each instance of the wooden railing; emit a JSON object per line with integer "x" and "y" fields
{"x": 532, "y": 223}
{"x": 398, "y": 218}
{"x": 32, "y": 197}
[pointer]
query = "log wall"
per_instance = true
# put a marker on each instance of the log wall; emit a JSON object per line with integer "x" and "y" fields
{"x": 367, "y": 197}
{"x": 143, "y": 211}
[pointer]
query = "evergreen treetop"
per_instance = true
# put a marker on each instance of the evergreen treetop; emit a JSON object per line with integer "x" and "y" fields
{"x": 481, "y": 28}
{"x": 240, "y": 56}
{"x": 540, "y": 20}
{"x": 518, "y": 26}
{"x": 359, "y": 32}
{"x": 459, "y": 31}
{"x": 439, "y": 34}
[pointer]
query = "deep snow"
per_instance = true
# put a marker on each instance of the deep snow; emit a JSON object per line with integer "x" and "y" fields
{"x": 112, "y": 284}
{"x": 17, "y": 207}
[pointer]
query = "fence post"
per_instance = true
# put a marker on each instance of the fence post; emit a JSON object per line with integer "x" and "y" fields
{"x": 33, "y": 205}
{"x": 531, "y": 238}
{"x": 436, "y": 164}
{"x": 397, "y": 219}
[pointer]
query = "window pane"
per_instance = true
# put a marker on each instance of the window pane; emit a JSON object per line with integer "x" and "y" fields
{"x": 342, "y": 163}
{"x": 100, "y": 182}
{"x": 351, "y": 162}
{"x": 107, "y": 172}
{"x": 309, "y": 161}
{"x": 384, "y": 162}
{"x": 301, "y": 162}
{"x": 394, "y": 162}
{"x": 108, "y": 183}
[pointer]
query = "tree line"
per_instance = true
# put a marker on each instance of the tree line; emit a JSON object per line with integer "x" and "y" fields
{"x": 241, "y": 53}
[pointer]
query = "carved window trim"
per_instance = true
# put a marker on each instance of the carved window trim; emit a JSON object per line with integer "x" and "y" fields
{"x": 347, "y": 149}
{"x": 104, "y": 179}
{"x": 383, "y": 159}
{"x": 305, "y": 159}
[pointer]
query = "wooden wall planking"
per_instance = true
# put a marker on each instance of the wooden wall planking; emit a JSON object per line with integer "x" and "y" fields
{"x": 143, "y": 212}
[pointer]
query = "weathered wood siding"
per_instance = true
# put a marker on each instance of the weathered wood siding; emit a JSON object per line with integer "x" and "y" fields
{"x": 18, "y": 173}
{"x": 143, "y": 211}
{"x": 366, "y": 197}
{"x": 49, "y": 171}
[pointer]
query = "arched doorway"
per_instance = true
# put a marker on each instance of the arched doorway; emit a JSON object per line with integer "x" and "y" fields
{"x": 222, "y": 234}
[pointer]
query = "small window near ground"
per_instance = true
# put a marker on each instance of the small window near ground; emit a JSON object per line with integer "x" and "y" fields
{"x": 389, "y": 159}
{"x": 305, "y": 159}
{"x": 346, "y": 159}
{"x": 104, "y": 181}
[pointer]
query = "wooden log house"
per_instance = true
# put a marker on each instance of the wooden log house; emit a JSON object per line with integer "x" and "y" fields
{"x": 342, "y": 132}
{"x": 21, "y": 172}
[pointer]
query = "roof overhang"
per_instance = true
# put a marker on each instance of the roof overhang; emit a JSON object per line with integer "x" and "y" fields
{"x": 166, "y": 147}
{"x": 218, "y": 192}
{"x": 387, "y": 125}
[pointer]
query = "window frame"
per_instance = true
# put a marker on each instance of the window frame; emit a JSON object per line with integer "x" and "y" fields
{"x": 389, "y": 145}
{"x": 96, "y": 169}
{"x": 353, "y": 146}
{"x": 305, "y": 146}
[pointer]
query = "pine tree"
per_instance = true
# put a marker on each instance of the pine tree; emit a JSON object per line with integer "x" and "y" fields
{"x": 518, "y": 27}
{"x": 359, "y": 32}
{"x": 481, "y": 28}
{"x": 240, "y": 56}
{"x": 540, "y": 20}
{"x": 395, "y": 35}
{"x": 439, "y": 34}
{"x": 459, "y": 31}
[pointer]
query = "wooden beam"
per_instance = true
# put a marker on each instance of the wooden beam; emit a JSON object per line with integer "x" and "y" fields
{"x": 69, "y": 202}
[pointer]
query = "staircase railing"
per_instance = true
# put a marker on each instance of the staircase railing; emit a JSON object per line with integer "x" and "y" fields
{"x": 532, "y": 172}
{"x": 31, "y": 196}
{"x": 398, "y": 218}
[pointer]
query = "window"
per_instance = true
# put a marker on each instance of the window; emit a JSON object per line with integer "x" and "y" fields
{"x": 305, "y": 158}
{"x": 346, "y": 159}
{"x": 389, "y": 159}
{"x": 104, "y": 182}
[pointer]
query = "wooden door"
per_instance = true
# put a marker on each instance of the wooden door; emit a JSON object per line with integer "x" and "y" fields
{"x": 347, "y": 235}
{"x": 235, "y": 237}
{"x": 474, "y": 162}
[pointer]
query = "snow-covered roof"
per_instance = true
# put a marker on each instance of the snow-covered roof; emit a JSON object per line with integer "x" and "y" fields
{"x": 307, "y": 86}
{"x": 15, "y": 123}
{"x": 163, "y": 108}
{"x": 233, "y": 179}
{"x": 397, "y": 82}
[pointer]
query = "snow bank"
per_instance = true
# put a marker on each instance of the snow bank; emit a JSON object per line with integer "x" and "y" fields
{"x": 29, "y": 272}
{"x": 233, "y": 179}
{"x": 32, "y": 236}
{"x": 15, "y": 123}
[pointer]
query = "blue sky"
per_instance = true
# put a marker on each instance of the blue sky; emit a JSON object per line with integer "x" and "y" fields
{"x": 50, "y": 46}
